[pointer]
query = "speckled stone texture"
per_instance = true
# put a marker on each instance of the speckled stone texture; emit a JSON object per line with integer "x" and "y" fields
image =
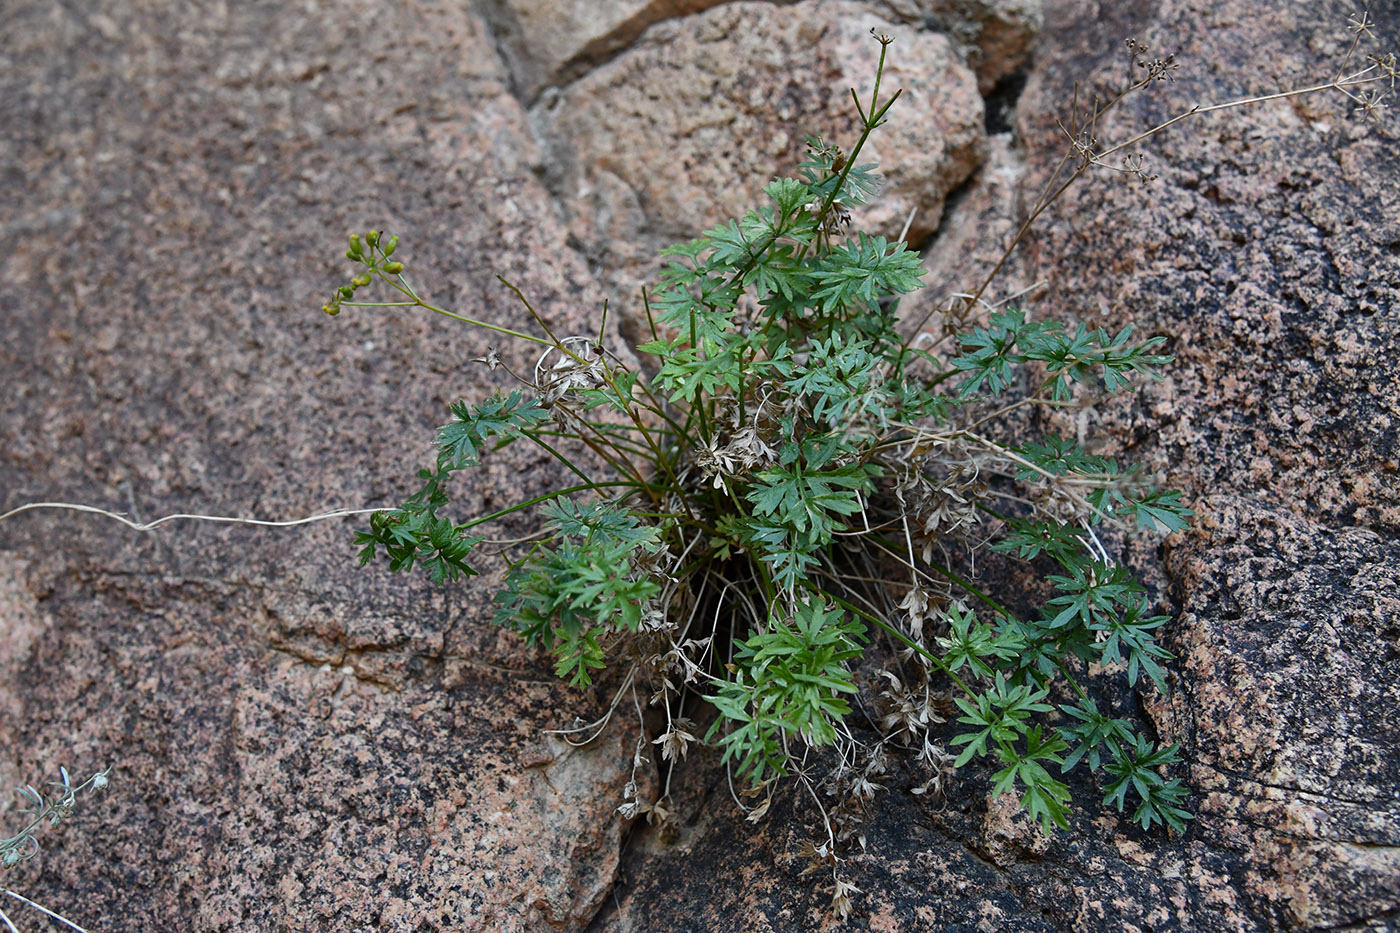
{"x": 1267, "y": 253}
{"x": 551, "y": 42}
{"x": 298, "y": 745}
{"x": 994, "y": 36}
{"x": 303, "y": 746}
{"x": 683, "y": 129}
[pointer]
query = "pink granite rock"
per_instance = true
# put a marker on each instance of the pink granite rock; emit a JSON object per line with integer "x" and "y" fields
{"x": 297, "y": 744}
{"x": 994, "y": 36}
{"x": 550, "y": 42}
{"x": 684, "y": 129}
{"x": 1266, "y": 253}
{"x": 301, "y": 745}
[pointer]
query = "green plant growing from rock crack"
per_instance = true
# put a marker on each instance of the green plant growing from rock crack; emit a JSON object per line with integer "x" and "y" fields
{"x": 796, "y": 485}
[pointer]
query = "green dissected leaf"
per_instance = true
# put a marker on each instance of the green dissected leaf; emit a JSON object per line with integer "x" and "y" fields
{"x": 1045, "y": 799}
{"x": 1058, "y": 457}
{"x": 752, "y": 740}
{"x": 790, "y": 197}
{"x": 687, "y": 372}
{"x": 778, "y": 271}
{"x": 1161, "y": 799}
{"x": 567, "y": 596}
{"x": 1157, "y": 510}
{"x": 790, "y": 679}
{"x": 1131, "y": 635}
{"x": 1092, "y": 592}
{"x": 1042, "y": 650}
{"x": 842, "y": 382}
{"x": 697, "y": 300}
{"x": 414, "y": 535}
{"x": 1029, "y": 539}
{"x": 600, "y": 523}
{"x": 577, "y": 653}
{"x": 866, "y": 269}
{"x": 1087, "y": 356}
{"x": 1000, "y": 715}
{"x": 459, "y": 443}
{"x": 861, "y": 184}
{"x": 417, "y": 538}
{"x": 790, "y": 554}
{"x": 974, "y": 643}
{"x": 738, "y": 243}
{"x": 1092, "y": 732}
{"x": 807, "y": 501}
{"x": 989, "y": 353}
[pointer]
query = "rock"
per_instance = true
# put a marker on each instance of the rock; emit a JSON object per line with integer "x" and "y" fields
{"x": 970, "y": 243}
{"x": 1289, "y": 707}
{"x": 297, "y": 743}
{"x": 1265, "y": 253}
{"x": 547, "y": 42}
{"x": 995, "y": 36}
{"x": 302, "y": 745}
{"x": 683, "y": 130}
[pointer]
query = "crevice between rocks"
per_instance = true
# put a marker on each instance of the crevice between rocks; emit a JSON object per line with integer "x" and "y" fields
{"x": 1001, "y": 102}
{"x": 505, "y": 29}
{"x": 1243, "y": 780}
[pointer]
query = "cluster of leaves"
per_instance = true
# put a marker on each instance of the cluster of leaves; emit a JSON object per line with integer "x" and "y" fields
{"x": 787, "y": 423}
{"x": 591, "y": 584}
{"x": 789, "y": 683}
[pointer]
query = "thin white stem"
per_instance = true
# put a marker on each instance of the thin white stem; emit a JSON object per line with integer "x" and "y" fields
{"x": 42, "y": 908}
{"x": 908, "y": 222}
{"x": 598, "y": 724}
{"x": 147, "y": 526}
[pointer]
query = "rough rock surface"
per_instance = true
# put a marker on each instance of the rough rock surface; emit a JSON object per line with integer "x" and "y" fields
{"x": 549, "y": 42}
{"x": 684, "y": 129}
{"x": 994, "y": 36}
{"x": 300, "y": 745}
{"x": 1266, "y": 252}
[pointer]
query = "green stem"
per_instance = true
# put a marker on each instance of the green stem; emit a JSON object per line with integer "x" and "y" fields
{"x": 420, "y": 303}
{"x": 542, "y": 498}
{"x": 697, "y": 406}
{"x": 539, "y": 320}
{"x": 901, "y": 637}
{"x": 534, "y": 436}
{"x": 872, "y": 120}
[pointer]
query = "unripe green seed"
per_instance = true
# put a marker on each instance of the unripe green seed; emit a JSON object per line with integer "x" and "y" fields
{"x": 331, "y": 309}
{"x": 392, "y": 245}
{"x": 360, "y": 280}
{"x": 393, "y": 268}
{"x": 354, "y": 246}
{"x": 346, "y": 291}
{"x": 372, "y": 238}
